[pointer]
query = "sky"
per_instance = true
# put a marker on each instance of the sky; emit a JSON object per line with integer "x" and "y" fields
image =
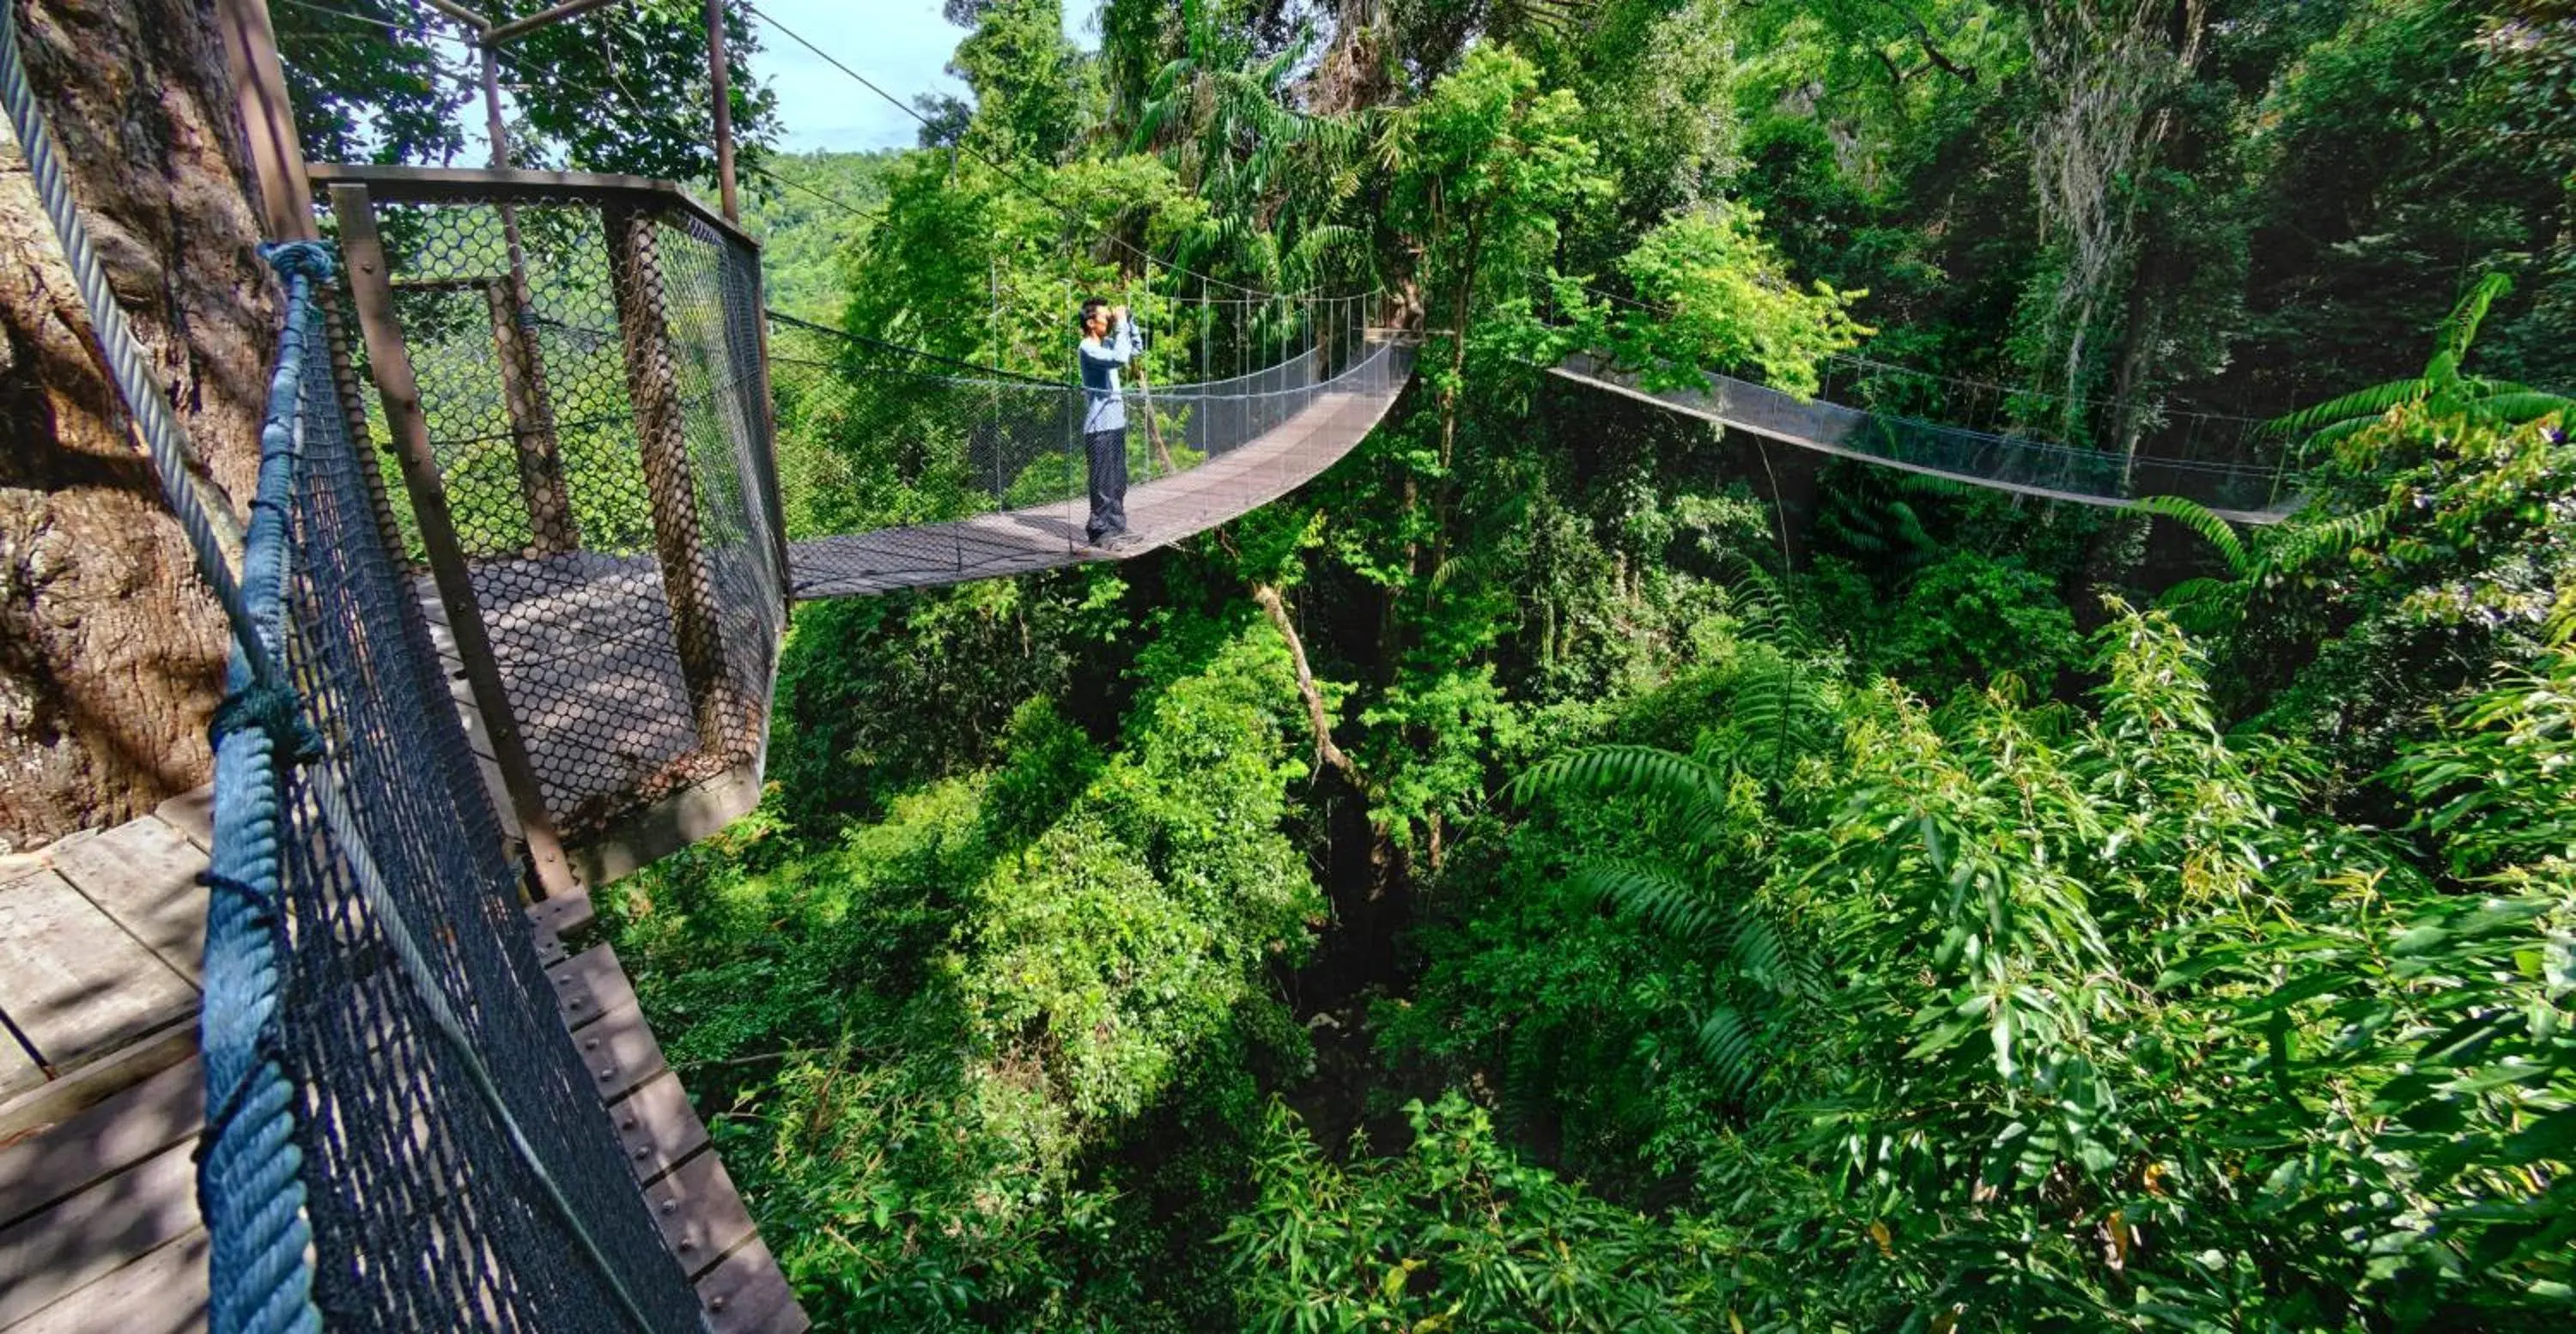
{"x": 902, "y": 44}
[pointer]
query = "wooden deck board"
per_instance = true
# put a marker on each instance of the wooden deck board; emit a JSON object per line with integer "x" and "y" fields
{"x": 746, "y": 1294}
{"x": 18, "y": 1068}
{"x": 114, "y": 1222}
{"x": 72, "y": 980}
{"x": 39, "y": 1173}
{"x": 162, "y": 1293}
{"x": 620, "y": 1052}
{"x": 143, "y": 874}
{"x": 701, "y": 1214}
{"x": 658, "y": 1127}
{"x": 590, "y": 986}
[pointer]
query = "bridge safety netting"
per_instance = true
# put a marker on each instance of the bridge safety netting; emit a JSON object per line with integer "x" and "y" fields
{"x": 902, "y": 468}
{"x": 417, "y": 1008}
{"x": 593, "y": 416}
{"x": 1884, "y": 431}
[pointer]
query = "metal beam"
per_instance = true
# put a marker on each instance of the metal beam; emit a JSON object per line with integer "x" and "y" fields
{"x": 721, "y": 80}
{"x": 473, "y": 185}
{"x": 462, "y": 15}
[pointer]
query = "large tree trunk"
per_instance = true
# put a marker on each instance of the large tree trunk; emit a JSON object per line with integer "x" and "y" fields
{"x": 111, "y": 654}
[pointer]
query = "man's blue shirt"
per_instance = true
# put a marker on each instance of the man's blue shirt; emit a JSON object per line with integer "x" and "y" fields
{"x": 1104, "y": 401}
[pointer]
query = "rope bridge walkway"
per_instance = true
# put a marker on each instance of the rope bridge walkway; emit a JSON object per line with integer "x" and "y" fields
{"x": 2240, "y": 492}
{"x": 621, "y": 469}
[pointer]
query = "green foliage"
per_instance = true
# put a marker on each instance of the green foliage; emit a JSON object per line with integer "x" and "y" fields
{"x": 1962, "y": 1000}
{"x": 800, "y": 205}
{"x": 1968, "y": 619}
{"x": 618, "y": 90}
{"x": 908, "y": 1037}
{"x": 1459, "y": 1234}
{"x": 1035, "y": 93}
{"x": 879, "y": 696}
{"x": 1724, "y": 302}
{"x": 2108, "y": 1038}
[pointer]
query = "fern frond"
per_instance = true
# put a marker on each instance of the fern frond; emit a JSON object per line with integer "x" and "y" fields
{"x": 1638, "y": 771}
{"x": 1655, "y": 896}
{"x": 1730, "y": 1049}
{"x": 2214, "y": 530}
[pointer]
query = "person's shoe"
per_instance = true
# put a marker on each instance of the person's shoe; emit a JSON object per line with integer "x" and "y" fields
{"x": 1119, "y": 544}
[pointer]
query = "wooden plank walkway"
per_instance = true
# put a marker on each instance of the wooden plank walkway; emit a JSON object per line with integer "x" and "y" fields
{"x": 100, "y": 940}
{"x": 101, "y": 934}
{"x": 1825, "y": 428}
{"x": 1046, "y": 537}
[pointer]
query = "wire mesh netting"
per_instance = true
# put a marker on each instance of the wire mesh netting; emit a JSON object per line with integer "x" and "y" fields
{"x": 1987, "y": 458}
{"x": 900, "y": 468}
{"x": 424, "y": 1216}
{"x": 590, "y": 374}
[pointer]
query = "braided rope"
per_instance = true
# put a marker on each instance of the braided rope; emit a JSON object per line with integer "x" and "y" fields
{"x": 250, "y": 1170}
{"x": 250, "y": 1184}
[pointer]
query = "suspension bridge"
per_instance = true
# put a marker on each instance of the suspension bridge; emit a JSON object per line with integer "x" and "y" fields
{"x": 542, "y": 480}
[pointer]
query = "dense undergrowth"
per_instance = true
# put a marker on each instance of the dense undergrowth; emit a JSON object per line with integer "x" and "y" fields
{"x": 1704, "y": 890}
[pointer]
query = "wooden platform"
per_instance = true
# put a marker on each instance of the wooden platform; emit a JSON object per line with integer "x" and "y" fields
{"x": 100, "y": 938}
{"x": 593, "y": 674}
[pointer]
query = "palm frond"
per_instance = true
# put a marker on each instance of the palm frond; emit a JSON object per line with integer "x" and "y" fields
{"x": 2359, "y": 405}
{"x": 2331, "y": 540}
{"x": 2523, "y": 406}
{"x": 2461, "y": 328}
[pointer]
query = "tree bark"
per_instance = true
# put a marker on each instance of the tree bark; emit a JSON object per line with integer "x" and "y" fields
{"x": 111, "y": 654}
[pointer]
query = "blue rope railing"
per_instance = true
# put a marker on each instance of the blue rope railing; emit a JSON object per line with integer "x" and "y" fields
{"x": 250, "y": 1184}
{"x": 275, "y": 809}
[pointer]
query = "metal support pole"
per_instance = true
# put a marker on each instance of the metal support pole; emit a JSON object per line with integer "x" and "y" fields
{"x": 766, "y": 475}
{"x": 389, "y": 362}
{"x": 721, "y": 80}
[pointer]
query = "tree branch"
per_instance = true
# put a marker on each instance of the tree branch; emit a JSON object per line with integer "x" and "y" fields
{"x": 1325, "y": 751}
{"x": 1966, "y": 74}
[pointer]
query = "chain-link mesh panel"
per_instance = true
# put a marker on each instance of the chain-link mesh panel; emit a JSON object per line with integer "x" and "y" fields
{"x": 590, "y": 375}
{"x": 424, "y": 1217}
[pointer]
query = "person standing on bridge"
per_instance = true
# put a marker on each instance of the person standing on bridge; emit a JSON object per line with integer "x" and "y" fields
{"x": 1109, "y": 341}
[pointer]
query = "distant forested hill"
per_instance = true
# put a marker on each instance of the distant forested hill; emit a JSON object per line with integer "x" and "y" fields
{"x": 804, "y": 236}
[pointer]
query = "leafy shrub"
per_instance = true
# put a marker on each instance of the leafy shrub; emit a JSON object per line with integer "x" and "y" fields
{"x": 1968, "y": 618}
